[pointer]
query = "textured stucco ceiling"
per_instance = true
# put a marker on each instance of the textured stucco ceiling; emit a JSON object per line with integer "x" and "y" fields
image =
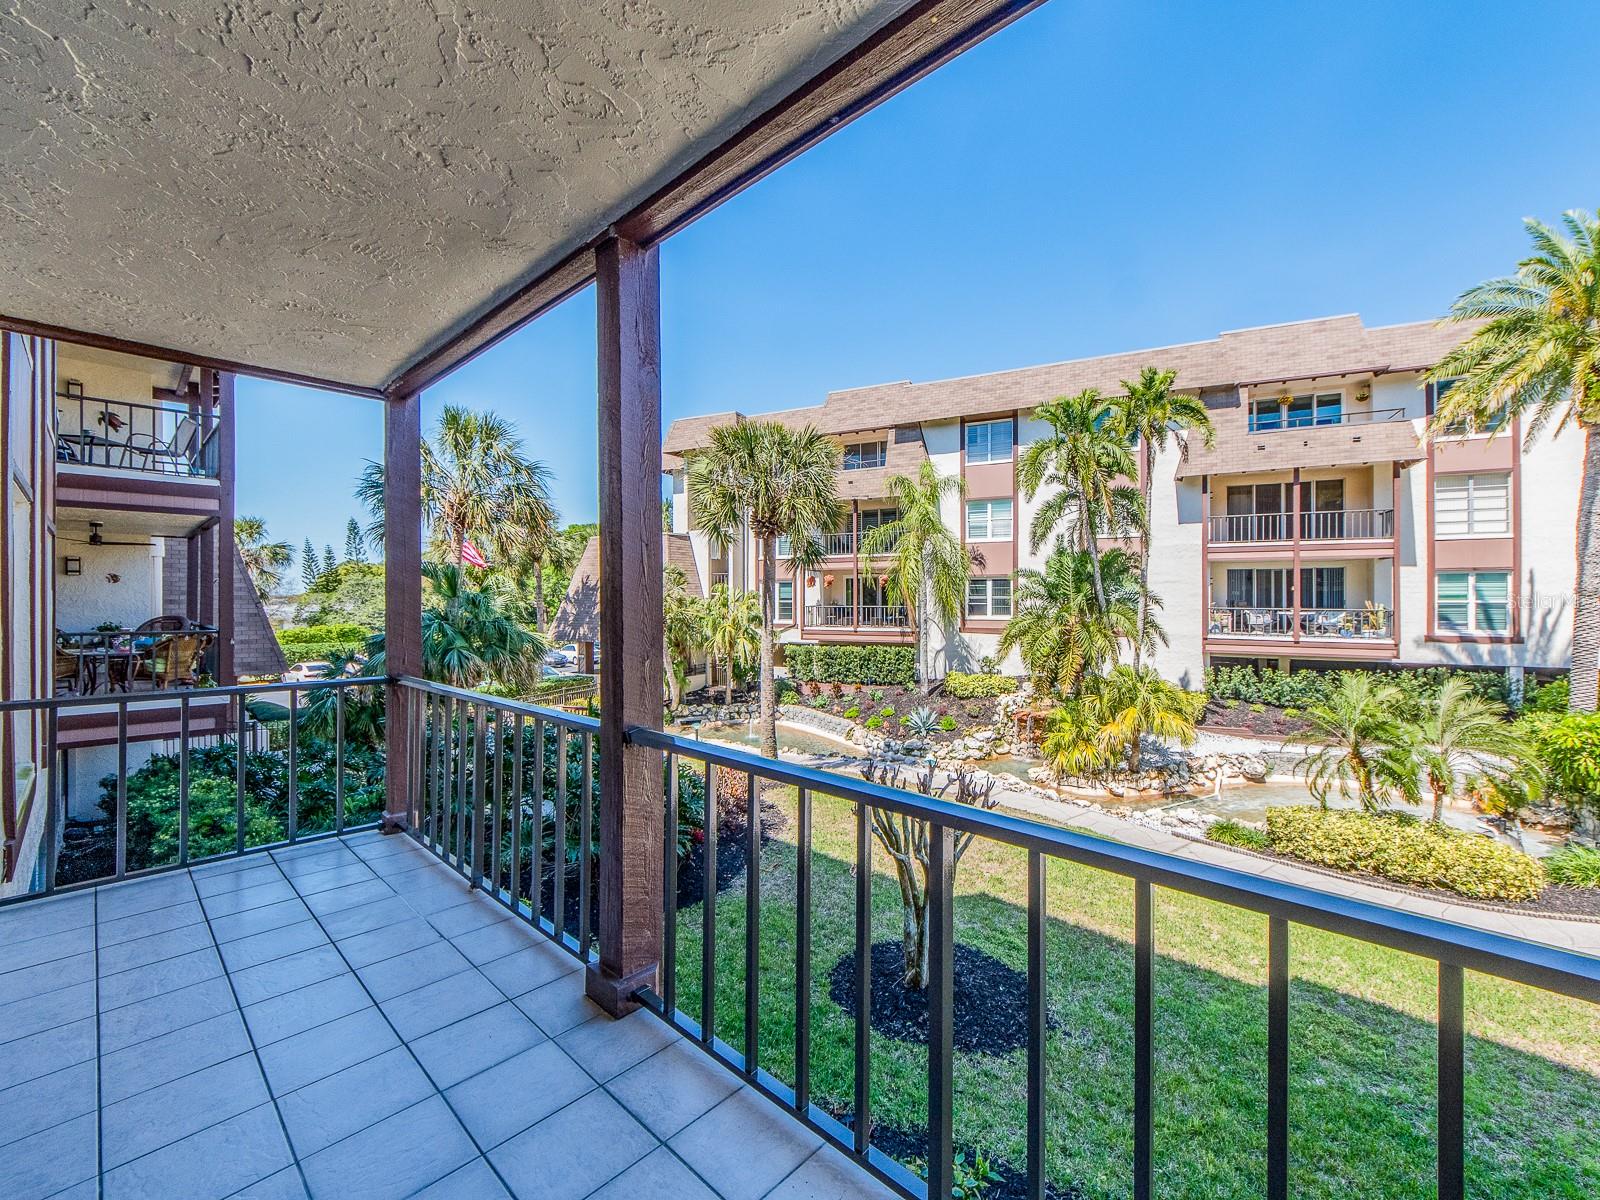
{"x": 331, "y": 188}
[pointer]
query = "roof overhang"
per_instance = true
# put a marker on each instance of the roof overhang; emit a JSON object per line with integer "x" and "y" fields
{"x": 363, "y": 194}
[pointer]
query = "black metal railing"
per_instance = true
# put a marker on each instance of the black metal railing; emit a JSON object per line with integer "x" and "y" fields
{"x": 236, "y": 770}
{"x": 167, "y": 439}
{"x": 1453, "y": 948}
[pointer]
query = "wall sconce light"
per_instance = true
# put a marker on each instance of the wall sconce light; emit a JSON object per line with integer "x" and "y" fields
{"x": 74, "y": 387}
{"x": 72, "y": 565}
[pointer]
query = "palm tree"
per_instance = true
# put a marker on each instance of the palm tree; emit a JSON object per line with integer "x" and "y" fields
{"x": 1538, "y": 355}
{"x": 682, "y": 619}
{"x": 477, "y": 484}
{"x": 732, "y": 631}
{"x": 1360, "y": 744}
{"x": 778, "y": 482}
{"x": 1063, "y": 630}
{"x": 1082, "y": 460}
{"x": 1071, "y": 744}
{"x": 1147, "y": 413}
{"x": 1462, "y": 735}
{"x": 470, "y": 634}
{"x": 929, "y": 571}
{"x": 1133, "y": 701}
{"x": 263, "y": 560}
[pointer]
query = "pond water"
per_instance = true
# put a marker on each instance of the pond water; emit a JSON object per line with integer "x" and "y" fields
{"x": 744, "y": 736}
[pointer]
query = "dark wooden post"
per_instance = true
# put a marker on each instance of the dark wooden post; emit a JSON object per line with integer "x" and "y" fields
{"x": 402, "y": 595}
{"x": 628, "y": 297}
{"x": 227, "y": 443}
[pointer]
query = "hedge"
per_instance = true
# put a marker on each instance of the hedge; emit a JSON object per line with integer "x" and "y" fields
{"x": 890, "y": 665}
{"x": 311, "y": 643}
{"x": 959, "y": 685}
{"x": 1301, "y": 689}
{"x": 319, "y": 651}
{"x": 1401, "y": 848}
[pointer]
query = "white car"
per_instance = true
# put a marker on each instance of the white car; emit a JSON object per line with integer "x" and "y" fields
{"x": 301, "y": 671}
{"x": 562, "y": 657}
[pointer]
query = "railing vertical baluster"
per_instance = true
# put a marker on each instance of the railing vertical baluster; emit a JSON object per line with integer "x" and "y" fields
{"x": 586, "y": 847}
{"x": 558, "y": 916}
{"x": 338, "y": 762}
{"x": 294, "y": 766}
{"x": 1277, "y": 1058}
{"x": 536, "y": 828}
{"x": 1036, "y": 1023}
{"x": 802, "y": 956}
{"x": 238, "y": 775}
{"x": 122, "y": 790}
{"x": 479, "y": 727}
{"x": 441, "y": 765}
{"x": 1143, "y": 1012}
{"x": 941, "y": 1010}
{"x": 447, "y": 778}
{"x": 183, "y": 780}
{"x": 752, "y": 925}
{"x": 462, "y": 713}
{"x": 669, "y": 893}
{"x": 499, "y": 801}
{"x": 863, "y": 1111}
{"x": 708, "y": 914}
{"x": 515, "y": 812}
{"x": 430, "y": 743}
{"x": 56, "y": 796}
{"x": 1452, "y": 1082}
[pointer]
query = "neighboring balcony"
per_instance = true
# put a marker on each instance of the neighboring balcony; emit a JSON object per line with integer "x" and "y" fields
{"x": 153, "y": 439}
{"x": 1340, "y": 525}
{"x": 1371, "y": 623}
{"x": 848, "y": 616}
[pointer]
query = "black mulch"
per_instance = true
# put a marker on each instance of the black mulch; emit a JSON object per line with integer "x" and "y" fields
{"x": 732, "y": 848}
{"x": 908, "y": 1145}
{"x": 991, "y": 1012}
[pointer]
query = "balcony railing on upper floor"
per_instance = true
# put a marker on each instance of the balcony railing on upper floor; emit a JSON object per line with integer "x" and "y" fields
{"x": 1332, "y": 525}
{"x": 164, "y": 439}
{"x": 1280, "y": 421}
{"x": 505, "y": 794}
{"x": 839, "y": 545}
{"x": 1371, "y": 623}
{"x": 849, "y": 616}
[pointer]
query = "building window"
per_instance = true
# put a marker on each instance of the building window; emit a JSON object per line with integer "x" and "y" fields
{"x": 1472, "y": 601}
{"x": 988, "y": 520}
{"x": 989, "y": 442}
{"x": 785, "y": 600}
{"x": 859, "y": 456}
{"x": 1467, "y": 426}
{"x": 1472, "y": 505}
{"x": 1296, "y": 412}
{"x": 989, "y": 597}
{"x": 1321, "y": 587}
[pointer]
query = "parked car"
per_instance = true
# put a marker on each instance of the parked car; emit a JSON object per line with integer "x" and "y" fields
{"x": 301, "y": 671}
{"x": 562, "y": 656}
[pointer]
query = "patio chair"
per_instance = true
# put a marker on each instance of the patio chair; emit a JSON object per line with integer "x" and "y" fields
{"x": 174, "y": 660}
{"x": 68, "y": 670}
{"x": 1258, "y": 621}
{"x": 179, "y": 452}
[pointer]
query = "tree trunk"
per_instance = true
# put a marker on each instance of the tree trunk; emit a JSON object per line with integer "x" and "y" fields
{"x": 538, "y": 594}
{"x": 1147, "y": 493}
{"x": 1438, "y": 804}
{"x": 1091, "y": 546}
{"x": 1585, "y": 683}
{"x": 914, "y": 944}
{"x": 769, "y": 707}
{"x": 727, "y": 685}
{"x": 924, "y": 623}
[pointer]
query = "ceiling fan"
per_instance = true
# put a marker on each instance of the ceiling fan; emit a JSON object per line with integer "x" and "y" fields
{"x": 95, "y": 538}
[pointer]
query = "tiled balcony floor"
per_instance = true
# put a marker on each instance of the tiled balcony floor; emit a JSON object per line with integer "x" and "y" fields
{"x": 346, "y": 1019}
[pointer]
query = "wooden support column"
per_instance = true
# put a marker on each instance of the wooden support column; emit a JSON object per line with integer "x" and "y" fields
{"x": 1294, "y": 570}
{"x": 402, "y": 597}
{"x": 227, "y": 473}
{"x": 628, "y": 301}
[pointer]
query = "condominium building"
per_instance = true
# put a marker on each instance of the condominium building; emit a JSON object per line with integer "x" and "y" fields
{"x": 1322, "y": 526}
{"x": 118, "y": 570}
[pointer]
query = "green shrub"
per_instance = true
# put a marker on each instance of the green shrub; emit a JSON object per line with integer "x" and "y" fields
{"x": 874, "y": 722}
{"x": 1258, "y": 708}
{"x": 1568, "y": 748}
{"x": 1575, "y": 866}
{"x": 887, "y": 665}
{"x": 886, "y": 711}
{"x": 853, "y": 711}
{"x": 1232, "y": 833}
{"x": 1406, "y": 851}
{"x": 947, "y": 723}
{"x": 1301, "y": 689}
{"x": 1291, "y": 712}
{"x": 959, "y": 685}
{"x": 1552, "y": 697}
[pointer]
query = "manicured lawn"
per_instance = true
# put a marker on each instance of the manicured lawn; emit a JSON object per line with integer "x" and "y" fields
{"x": 1362, "y": 1038}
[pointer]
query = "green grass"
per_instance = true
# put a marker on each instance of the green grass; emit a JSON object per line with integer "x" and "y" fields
{"x": 1362, "y": 1038}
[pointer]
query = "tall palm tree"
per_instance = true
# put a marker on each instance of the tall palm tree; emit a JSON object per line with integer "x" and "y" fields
{"x": 1148, "y": 412}
{"x": 929, "y": 571}
{"x": 1062, "y": 628}
{"x": 1360, "y": 745}
{"x": 476, "y": 483}
{"x": 1538, "y": 355}
{"x": 778, "y": 482}
{"x": 1462, "y": 735}
{"x": 1082, "y": 460}
{"x": 470, "y": 634}
{"x": 731, "y": 629}
{"x": 263, "y": 560}
{"x": 1134, "y": 701}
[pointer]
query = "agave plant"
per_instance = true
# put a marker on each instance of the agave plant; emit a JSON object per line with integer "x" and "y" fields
{"x": 922, "y": 722}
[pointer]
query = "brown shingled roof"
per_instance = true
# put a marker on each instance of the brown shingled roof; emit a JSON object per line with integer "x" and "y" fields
{"x": 1319, "y": 348}
{"x": 578, "y": 618}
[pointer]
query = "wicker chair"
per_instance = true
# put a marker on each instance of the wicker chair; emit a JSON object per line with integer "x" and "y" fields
{"x": 173, "y": 661}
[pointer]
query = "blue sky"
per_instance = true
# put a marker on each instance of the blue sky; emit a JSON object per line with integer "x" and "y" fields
{"x": 1099, "y": 177}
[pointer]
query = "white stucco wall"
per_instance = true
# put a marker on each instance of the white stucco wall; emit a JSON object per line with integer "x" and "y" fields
{"x": 1175, "y": 519}
{"x": 93, "y": 598}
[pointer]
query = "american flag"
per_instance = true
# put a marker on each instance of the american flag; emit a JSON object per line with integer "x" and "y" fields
{"x": 471, "y": 555}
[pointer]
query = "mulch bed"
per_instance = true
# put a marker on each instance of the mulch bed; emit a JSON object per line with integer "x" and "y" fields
{"x": 969, "y": 715}
{"x": 991, "y": 1010}
{"x": 1269, "y": 722}
{"x": 911, "y": 1145}
{"x": 732, "y": 845}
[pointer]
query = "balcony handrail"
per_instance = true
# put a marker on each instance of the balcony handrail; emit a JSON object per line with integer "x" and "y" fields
{"x": 155, "y": 446}
{"x": 574, "y": 721}
{"x": 1315, "y": 525}
{"x": 1476, "y": 949}
{"x": 1287, "y": 424}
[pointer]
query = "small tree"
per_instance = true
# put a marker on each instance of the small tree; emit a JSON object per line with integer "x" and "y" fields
{"x": 1462, "y": 736}
{"x": 1360, "y": 744}
{"x": 682, "y": 618}
{"x": 355, "y": 543}
{"x": 732, "y": 632}
{"x": 329, "y": 562}
{"x": 906, "y": 840}
{"x": 310, "y": 569}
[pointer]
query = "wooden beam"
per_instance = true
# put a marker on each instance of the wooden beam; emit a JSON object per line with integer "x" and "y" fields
{"x": 628, "y": 326}
{"x": 227, "y": 473}
{"x": 402, "y": 596}
{"x": 188, "y": 358}
{"x": 924, "y": 37}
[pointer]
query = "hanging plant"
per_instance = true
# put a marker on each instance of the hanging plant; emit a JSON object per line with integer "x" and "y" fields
{"x": 828, "y": 580}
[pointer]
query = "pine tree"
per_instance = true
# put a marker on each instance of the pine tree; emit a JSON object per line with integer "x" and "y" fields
{"x": 355, "y": 546}
{"x": 329, "y": 562}
{"x": 310, "y": 570}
